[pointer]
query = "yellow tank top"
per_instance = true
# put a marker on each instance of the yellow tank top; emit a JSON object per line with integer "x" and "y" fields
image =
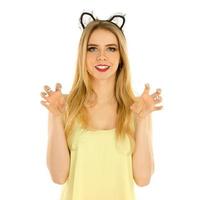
{"x": 100, "y": 167}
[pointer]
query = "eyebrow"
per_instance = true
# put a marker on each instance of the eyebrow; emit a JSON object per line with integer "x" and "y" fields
{"x": 106, "y": 45}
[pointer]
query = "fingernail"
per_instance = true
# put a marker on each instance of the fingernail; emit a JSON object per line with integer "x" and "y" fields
{"x": 158, "y": 89}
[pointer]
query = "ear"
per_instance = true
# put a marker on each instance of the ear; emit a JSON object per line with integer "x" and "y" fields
{"x": 86, "y": 16}
{"x": 114, "y": 19}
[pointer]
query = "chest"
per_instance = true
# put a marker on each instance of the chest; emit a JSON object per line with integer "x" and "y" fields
{"x": 102, "y": 117}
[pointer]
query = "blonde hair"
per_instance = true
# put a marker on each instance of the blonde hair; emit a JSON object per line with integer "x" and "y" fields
{"x": 79, "y": 97}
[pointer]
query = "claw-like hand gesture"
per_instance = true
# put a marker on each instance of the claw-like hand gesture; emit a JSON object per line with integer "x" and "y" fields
{"x": 145, "y": 104}
{"x": 55, "y": 100}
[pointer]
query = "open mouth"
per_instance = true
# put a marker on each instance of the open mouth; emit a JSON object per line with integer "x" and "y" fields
{"x": 102, "y": 68}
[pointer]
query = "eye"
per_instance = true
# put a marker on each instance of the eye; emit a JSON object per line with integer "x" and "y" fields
{"x": 91, "y": 49}
{"x": 112, "y": 49}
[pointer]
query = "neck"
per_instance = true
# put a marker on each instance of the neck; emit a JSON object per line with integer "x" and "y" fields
{"x": 104, "y": 90}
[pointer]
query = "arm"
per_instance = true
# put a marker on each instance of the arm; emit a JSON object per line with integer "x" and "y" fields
{"x": 143, "y": 163}
{"x": 58, "y": 157}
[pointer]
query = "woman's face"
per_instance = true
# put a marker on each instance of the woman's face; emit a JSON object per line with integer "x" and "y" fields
{"x": 103, "y": 54}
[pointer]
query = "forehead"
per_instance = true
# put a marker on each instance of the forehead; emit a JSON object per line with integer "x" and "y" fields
{"x": 102, "y": 36}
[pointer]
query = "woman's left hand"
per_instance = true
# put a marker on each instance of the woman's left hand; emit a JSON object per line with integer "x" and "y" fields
{"x": 145, "y": 104}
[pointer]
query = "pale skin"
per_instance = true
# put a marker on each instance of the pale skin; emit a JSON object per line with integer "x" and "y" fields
{"x": 143, "y": 162}
{"x": 58, "y": 155}
{"x": 103, "y": 84}
{"x": 103, "y": 49}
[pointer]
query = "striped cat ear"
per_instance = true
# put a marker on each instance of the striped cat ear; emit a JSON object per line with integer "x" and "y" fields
{"x": 115, "y": 19}
{"x": 86, "y": 18}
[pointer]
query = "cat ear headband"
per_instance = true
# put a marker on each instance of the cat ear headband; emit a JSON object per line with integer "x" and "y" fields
{"x": 111, "y": 19}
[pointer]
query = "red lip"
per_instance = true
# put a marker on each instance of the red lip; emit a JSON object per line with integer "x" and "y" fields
{"x": 102, "y": 70}
{"x": 102, "y": 65}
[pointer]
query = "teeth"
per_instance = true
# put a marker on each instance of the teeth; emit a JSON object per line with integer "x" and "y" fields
{"x": 102, "y": 67}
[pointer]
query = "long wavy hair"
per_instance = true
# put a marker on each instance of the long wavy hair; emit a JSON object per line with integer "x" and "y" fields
{"x": 81, "y": 92}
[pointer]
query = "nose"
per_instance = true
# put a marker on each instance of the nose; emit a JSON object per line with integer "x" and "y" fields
{"x": 101, "y": 56}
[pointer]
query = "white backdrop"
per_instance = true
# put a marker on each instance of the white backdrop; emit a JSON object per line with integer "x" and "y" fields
{"x": 38, "y": 46}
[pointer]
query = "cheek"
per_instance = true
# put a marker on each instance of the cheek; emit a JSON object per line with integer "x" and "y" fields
{"x": 89, "y": 62}
{"x": 115, "y": 59}
{"x": 115, "y": 56}
{"x": 90, "y": 59}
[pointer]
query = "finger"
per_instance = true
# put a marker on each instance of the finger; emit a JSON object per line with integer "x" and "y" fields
{"x": 158, "y": 99}
{"x": 158, "y": 108}
{"x": 44, "y": 103}
{"x": 155, "y": 94}
{"x": 48, "y": 89}
{"x": 58, "y": 87}
{"x": 147, "y": 88}
{"x": 158, "y": 90}
{"x": 43, "y": 94}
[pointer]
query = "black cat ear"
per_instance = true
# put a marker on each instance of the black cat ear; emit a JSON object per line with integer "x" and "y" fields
{"x": 114, "y": 19}
{"x": 85, "y": 18}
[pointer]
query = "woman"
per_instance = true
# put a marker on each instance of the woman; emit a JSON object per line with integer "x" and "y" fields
{"x": 100, "y": 141}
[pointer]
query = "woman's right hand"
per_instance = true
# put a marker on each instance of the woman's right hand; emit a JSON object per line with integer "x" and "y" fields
{"x": 55, "y": 100}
